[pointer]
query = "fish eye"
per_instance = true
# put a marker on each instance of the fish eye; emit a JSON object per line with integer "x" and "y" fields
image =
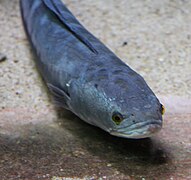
{"x": 162, "y": 109}
{"x": 117, "y": 118}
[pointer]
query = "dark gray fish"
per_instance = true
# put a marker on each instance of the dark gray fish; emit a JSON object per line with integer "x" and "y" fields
{"x": 85, "y": 77}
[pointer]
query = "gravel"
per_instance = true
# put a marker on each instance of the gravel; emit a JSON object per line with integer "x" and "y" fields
{"x": 2, "y": 57}
{"x": 153, "y": 37}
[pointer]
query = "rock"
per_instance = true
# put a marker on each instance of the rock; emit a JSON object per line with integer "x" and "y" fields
{"x": 2, "y": 57}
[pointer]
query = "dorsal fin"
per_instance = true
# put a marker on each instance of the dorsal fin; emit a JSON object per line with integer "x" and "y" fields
{"x": 72, "y": 24}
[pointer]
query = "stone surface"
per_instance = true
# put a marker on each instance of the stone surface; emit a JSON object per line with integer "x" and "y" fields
{"x": 40, "y": 146}
{"x": 2, "y": 57}
{"x": 40, "y": 142}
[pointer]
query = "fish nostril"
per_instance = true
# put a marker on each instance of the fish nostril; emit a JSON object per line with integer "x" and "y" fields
{"x": 96, "y": 86}
{"x": 133, "y": 118}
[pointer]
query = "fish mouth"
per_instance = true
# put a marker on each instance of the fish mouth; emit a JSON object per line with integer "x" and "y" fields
{"x": 139, "y": 130}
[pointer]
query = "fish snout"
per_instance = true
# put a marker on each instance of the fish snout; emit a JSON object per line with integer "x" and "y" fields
{"x": 139, "y": 130}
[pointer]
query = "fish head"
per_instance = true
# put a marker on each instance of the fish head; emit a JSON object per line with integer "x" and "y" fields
{"x": 124, "y": 106}
{"x": 139, "y": 117}
{"x": 135, "y": 110}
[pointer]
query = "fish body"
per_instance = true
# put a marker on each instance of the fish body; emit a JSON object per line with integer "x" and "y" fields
{"x": 85, "y": 77}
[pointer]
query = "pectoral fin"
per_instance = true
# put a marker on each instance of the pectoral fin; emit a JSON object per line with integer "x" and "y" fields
{"x": 60, "y": 97}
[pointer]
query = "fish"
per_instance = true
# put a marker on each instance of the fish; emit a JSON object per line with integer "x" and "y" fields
{"x": 87, "y": 78}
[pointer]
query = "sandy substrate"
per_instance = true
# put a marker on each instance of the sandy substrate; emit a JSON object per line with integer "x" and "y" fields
{"x": 154, "y": 38}
{"x": 158, "y": 45}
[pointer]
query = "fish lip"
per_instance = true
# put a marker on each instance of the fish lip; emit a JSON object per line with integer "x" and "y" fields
{"x": 140, "y": 125}
{"x": 139, "y": 130}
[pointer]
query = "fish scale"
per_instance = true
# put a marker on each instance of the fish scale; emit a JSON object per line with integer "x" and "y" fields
{"x": 87, "y": 78}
